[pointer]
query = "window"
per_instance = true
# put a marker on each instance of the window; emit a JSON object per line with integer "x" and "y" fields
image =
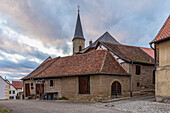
{"x": 11, "y": 97}
{"x": 32, "y": 86}
{"x": 51, "y": 83}
{"x": 84, "y": 84}
{"x": 138, "y": 70}
{"x": 138, "y": 84}
{"x": 9, "y": 92}
{"x": 80, "y": 48}
{"x": 13, "y": 92}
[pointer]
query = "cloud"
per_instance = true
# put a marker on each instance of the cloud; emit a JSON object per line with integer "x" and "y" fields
{"x": 32, "y": 30}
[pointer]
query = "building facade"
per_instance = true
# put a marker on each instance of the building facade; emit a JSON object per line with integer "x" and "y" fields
{"x": 162, "y": 62}
{"x": 4, "y": 89}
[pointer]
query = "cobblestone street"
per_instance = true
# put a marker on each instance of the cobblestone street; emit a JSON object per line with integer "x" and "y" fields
{"x": 139, "y": 105}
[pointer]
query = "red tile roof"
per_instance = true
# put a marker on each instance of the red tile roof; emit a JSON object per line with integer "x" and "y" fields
{"x": 130, "y": 52}
{"x": 149, "y": 51}
{"x": 17, "y": 84}
{"x": 164, "y": 31}
{"x": 96, "y": 61}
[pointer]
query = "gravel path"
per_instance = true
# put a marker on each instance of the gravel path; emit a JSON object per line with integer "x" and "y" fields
{"x": 138, "y": 106}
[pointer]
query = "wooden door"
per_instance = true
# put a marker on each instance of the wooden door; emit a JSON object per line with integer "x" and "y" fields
{"x": 116, "y": 89}
{"x": 40, "y": 89}
{"x": 27, "y": 90}
{"x": 84, "y": 84}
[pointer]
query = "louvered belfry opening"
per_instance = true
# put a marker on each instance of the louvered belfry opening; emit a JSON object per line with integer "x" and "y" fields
{"x": 116, "y": 90}
{"x": 84, "y": 84}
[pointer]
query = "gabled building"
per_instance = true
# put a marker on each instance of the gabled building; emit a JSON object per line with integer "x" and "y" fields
{"x": 105, "y": 69}
{"x": 4, "y": 89}
{"x": 12, "y": 90}
{"x": 162, "y": 62}
{"x": 19, "y": 87}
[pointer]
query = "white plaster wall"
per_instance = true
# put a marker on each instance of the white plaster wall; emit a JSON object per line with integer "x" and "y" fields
{"x": 13, "y": 89}
{"x": 2, "y": 89}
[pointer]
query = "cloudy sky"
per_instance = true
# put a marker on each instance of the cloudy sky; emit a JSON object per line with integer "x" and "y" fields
{"x": 32, "y": 30}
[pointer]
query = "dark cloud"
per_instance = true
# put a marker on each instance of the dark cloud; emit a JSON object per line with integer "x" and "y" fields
{"x": 52, "y": 22}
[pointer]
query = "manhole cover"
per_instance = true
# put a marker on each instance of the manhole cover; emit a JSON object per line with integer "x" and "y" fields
{"x": 109, "y": 105}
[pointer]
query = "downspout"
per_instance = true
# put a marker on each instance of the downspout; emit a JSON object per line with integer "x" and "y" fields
{"x": 154, "y": 48}
{"x": 131, "y": 78}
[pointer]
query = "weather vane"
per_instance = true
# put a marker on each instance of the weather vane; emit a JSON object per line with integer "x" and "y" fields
{"x": 78, "y": 8}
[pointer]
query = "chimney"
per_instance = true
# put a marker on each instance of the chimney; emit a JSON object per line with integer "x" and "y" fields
{"x": 90, "y": 43}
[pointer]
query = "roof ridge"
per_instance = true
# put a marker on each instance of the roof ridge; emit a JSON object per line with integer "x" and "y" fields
{"x": 103, "y": 61}
{"x": 47, "y": 66}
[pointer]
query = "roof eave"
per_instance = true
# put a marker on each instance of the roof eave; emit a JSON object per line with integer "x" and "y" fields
{"x": 112, "y": 74}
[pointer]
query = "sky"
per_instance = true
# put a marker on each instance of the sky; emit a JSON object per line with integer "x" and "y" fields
{"x": 32, "y": 30}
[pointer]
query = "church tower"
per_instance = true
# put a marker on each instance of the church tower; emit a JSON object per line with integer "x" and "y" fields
{"x": 78, "y": 39}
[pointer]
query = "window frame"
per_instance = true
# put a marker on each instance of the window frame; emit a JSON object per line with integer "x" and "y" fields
{"x": 138, "y": 69}
{"x": 50, "y": 83}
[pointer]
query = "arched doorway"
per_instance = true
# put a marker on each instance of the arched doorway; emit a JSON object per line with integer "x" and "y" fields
{"x": 116, "y": 90}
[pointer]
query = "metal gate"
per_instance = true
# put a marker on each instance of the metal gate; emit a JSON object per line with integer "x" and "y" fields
{"x": 116, "y": 90}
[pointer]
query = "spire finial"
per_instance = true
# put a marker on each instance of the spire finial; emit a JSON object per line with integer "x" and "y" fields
{"x": 78, "y": 8}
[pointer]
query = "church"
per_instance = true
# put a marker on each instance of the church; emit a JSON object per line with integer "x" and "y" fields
{"x": 103, "y": 70}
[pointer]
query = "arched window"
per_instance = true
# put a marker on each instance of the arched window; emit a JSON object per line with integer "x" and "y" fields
{"x": 80, "y": 48}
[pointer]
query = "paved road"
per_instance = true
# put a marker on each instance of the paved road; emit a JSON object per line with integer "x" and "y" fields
{"x": 36, "y": 106}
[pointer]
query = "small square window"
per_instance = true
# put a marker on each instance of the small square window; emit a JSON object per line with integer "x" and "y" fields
{"x": 9, "y": 92}
{"x": 138, "y": 70}
{"x": 13, "y": 92}
{"x": 32, "y": 86}
{"x": 51, "y": 83}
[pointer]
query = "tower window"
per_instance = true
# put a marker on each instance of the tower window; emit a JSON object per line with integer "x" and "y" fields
{"x": 138, "y": 70}
{"x": 80, "y": 48}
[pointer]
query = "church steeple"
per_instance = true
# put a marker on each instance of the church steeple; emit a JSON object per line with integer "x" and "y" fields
{"x": 78, "y": 31}
{"x": 78, "y": 39}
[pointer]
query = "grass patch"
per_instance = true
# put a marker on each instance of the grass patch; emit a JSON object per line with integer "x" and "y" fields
{"x": 4, "y": 110}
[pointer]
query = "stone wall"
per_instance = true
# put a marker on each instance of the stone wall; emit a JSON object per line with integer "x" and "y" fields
{"x": 100, "y": 87}
{"x": 145, "y": 80}
{"x": 78, "y": 42}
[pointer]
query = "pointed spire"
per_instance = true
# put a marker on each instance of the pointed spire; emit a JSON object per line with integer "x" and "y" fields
{"x": 78, "y": 31}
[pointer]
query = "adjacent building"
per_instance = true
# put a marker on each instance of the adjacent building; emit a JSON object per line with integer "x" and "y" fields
{"x": 162, "y": 62}
{"x": 4, "y": 89}
{"x": 19, "y": 87}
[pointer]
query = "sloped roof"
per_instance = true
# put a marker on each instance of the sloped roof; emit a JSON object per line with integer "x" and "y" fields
{"x": 17, "y": 84}
{"x": 131, "y": 53}
{"x": 41, "y": 67}
{"x": 149, "y": 51}
{"x": 164, "y": 32}
{"x": 78, "y": 31}
{"x": 5, "y": 80}
{"x": 106, "y": 37}
{"x": 96, "y": 61}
